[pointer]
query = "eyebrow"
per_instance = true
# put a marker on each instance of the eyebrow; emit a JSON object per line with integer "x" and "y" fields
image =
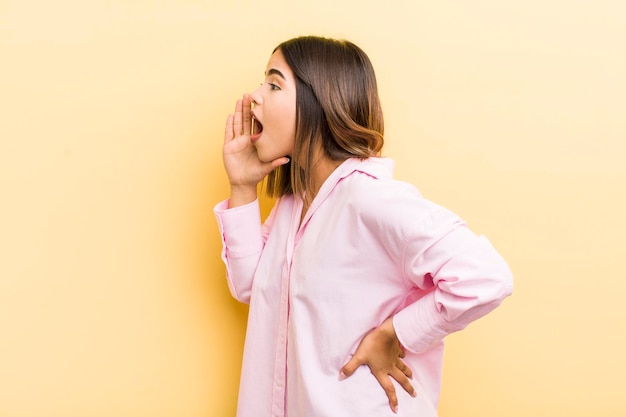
{"x": 275, "y": 71}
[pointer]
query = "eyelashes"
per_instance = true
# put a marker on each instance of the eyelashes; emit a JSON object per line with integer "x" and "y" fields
{"x": 273, "y": 87}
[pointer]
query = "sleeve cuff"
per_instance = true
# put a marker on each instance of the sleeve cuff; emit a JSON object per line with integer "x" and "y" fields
{"x": 240, "y": 228}
{"x": 416, "y": 325}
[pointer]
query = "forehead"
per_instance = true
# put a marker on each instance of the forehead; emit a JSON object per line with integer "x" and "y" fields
{"x": 277, "y": 62}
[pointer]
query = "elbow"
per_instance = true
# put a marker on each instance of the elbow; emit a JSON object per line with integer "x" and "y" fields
{"x": 243, "y": 297}
{"x": 240, "y": 276}
{"x": 501, "y": 285}
{"x": 494, "y": 281}
{"x": 505, "y": 281}
{"x": 496, "y": 286}
{"x": 239, "y": 293}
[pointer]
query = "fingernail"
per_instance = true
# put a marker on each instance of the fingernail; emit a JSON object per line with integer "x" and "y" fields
{"x": 342, "y": 376}
{"x": 414, "y": 394}
{"x": 395, "y": 409}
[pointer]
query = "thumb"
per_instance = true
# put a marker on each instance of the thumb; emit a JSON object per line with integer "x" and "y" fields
{"x": 268, "y": 167}
{"x": 272, "y": 165}
{"x": 280, "y": 161}
{"x": 349, "y": 368}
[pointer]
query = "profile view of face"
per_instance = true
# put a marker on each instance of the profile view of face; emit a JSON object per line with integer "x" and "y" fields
{"x": 274, "y": 111}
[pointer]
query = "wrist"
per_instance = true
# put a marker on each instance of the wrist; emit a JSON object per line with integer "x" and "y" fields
{"x": 241, "y": 195}
{"x": 388, "y": 330}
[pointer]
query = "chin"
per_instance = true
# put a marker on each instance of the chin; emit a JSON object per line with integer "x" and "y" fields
{"x": 264, "y": 158}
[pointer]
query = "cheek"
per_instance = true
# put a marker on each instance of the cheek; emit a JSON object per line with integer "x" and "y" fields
{"x": 290, "y": 119}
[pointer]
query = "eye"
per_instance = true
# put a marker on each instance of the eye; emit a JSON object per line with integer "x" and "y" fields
{"x": 273, "y": 86}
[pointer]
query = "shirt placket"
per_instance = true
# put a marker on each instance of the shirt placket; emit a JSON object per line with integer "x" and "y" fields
{"x": 280, "y": 361}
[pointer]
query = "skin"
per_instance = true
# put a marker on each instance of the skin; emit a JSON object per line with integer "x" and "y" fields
{"x": 244, "y": 168}
{"x": 249, "y": 158}
{"x": 380, "y": 350}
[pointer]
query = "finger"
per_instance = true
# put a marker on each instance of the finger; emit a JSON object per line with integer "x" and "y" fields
{"x": 278, "y": 162}
{"x": 238, "y": 122}
{"x": 404, "y": 382}
{"x": 247, "y": 116}
{"x": 266, "y": 169}
{"x": 390, "y": 390}
{"x": 228, "y": 132}
{"x": 349, "y": 368}
{"x": 404, "y": 368}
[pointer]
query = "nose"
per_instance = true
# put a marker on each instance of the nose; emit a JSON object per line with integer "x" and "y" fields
{"x": 255, "y": 97}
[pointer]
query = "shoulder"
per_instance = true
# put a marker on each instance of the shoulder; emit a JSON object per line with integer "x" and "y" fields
{"x": 390, "y": 206}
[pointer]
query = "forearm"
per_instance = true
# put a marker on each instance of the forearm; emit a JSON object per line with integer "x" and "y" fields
{"x": 470, "y": 279}
{"x": 242, "y": 241}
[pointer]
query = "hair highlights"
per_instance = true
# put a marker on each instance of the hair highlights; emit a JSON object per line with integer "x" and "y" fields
{"x": 337, "y": 109}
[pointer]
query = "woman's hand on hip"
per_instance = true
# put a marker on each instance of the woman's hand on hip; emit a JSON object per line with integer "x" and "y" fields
{"x": 380, "y": 350}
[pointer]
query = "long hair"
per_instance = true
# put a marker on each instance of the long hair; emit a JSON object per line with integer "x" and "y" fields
{"x": 337, "y": 106}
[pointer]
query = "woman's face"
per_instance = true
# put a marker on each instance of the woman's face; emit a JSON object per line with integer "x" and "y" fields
{"x": 274, "y": 112}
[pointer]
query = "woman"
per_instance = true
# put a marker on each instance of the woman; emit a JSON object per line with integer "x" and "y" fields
{"x": 354, "y": 279}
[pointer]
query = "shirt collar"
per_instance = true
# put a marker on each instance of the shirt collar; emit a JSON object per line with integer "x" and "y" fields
{"x": 375, "y": 167}
{"x": 378, "y": 168}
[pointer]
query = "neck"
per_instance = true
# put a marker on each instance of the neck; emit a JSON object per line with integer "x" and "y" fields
{"x": 321, "y": 170}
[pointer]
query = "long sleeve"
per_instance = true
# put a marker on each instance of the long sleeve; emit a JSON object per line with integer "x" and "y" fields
{"x": 465, "y": 276}
{"x": 243, "y": 238}
{"x": 368, "y": 248}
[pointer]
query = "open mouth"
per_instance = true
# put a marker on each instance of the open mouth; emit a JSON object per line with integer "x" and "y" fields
{"x": 257, "y": 127}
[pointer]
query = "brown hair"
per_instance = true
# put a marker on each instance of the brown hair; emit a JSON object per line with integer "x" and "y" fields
{"x": 337, "y": 105}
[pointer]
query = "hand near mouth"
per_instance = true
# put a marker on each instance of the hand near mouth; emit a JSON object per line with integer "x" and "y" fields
{"x": 244, "y": 168}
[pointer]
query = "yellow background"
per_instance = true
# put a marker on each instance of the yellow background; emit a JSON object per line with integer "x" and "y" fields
{"x": 113, "y": 300}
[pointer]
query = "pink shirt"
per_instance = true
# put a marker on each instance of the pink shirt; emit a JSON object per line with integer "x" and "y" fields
{"x": 370, "y": 247}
